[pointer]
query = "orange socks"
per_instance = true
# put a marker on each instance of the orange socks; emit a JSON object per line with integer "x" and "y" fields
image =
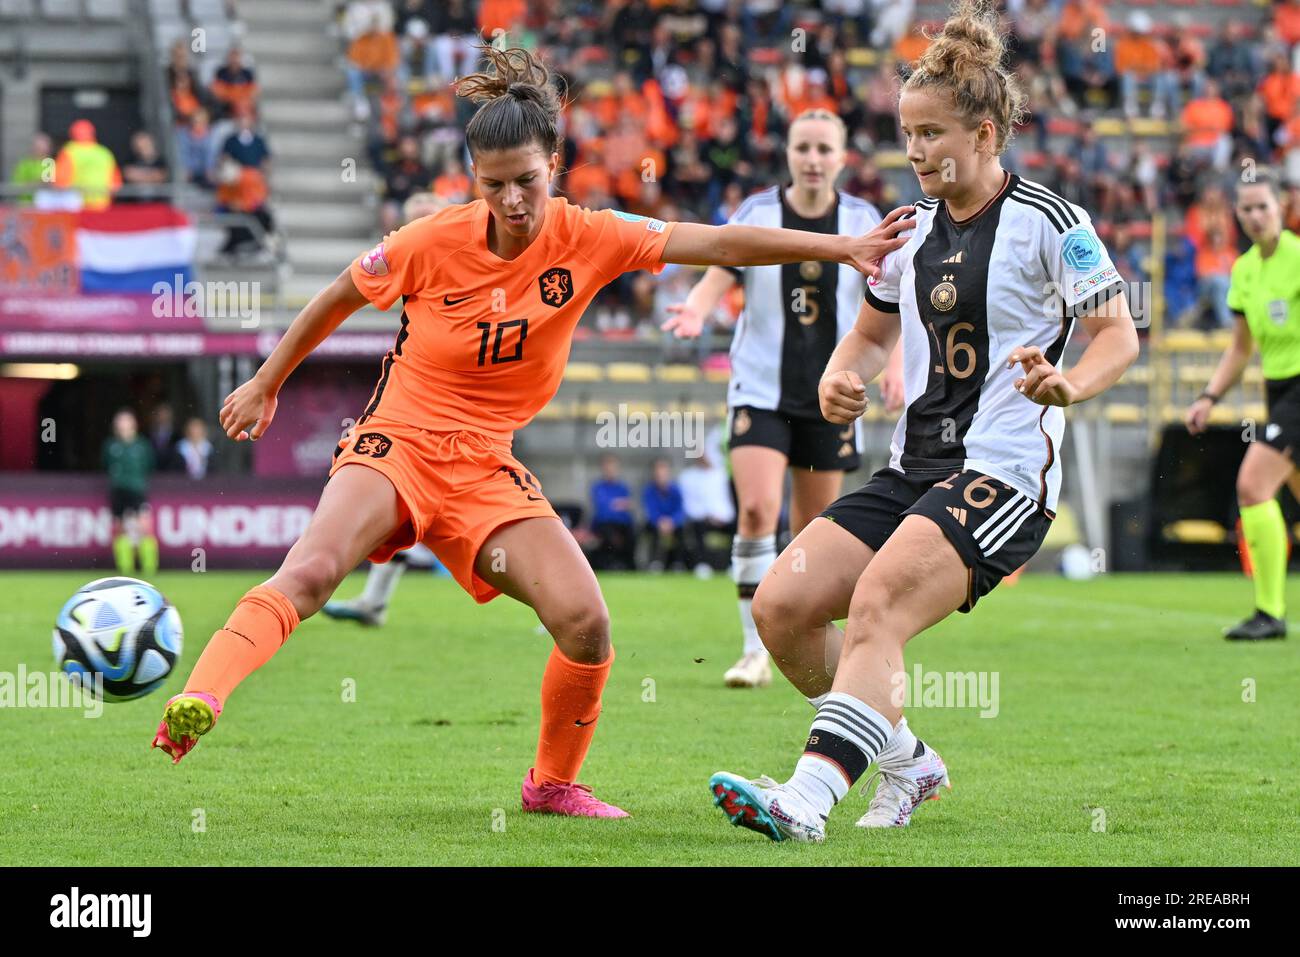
{"x": 258, "y": 626}
{"x": 570, "y": 707}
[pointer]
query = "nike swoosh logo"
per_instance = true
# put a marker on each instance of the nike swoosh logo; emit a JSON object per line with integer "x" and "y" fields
{"x": 583, "y": 724}
{"x": 447, "y": 301}
{"x": 536, "y": 498}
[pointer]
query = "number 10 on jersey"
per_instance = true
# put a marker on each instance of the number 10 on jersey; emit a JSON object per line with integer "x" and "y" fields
{"x": 502, "y": 328}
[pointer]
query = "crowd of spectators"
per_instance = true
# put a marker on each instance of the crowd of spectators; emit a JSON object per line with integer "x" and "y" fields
{"x": 218, "y": 148}
{"x": 685, "y": 522}
{"x": 219, "y": 145}
{"x": 677, "y": 110}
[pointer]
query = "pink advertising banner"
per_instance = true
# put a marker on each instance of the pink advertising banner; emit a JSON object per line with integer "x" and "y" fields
{"x": 63, "y": 521}
{"x": 104, "y": 312}
{"x": 49, "y": 345}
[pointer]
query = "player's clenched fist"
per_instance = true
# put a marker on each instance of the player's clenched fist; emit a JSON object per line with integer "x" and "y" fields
{"x": 248, "y": 411}
{"x": 842, "y": 396}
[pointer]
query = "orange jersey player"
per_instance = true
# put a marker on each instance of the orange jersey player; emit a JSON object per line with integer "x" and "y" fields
{"x": 491, "y": 292}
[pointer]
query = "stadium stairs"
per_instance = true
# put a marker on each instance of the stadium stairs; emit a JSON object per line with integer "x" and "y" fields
{"x": 321, "y": 188}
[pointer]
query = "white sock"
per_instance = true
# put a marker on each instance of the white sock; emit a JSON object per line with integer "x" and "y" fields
{"x": 818, "y": 701}
{"x": 901, "y": 747}
{"x": 845, "y": 738}
{"x": 750, "y": 560}
{"x": 381, "y": 582}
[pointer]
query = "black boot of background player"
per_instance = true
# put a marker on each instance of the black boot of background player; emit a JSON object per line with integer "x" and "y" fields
{"x": 1259, "y": 627}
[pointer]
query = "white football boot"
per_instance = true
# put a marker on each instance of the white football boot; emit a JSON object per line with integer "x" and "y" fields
{"x": 768, "y": 807}
{"x": 753, "y": 670}
{"x": 356, "y": 610}
{"x": 902, "y": 786}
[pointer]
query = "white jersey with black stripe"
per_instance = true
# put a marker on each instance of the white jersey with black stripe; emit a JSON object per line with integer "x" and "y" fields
{"x": 1015, "y": 274}
{"x": 795, "y": 314}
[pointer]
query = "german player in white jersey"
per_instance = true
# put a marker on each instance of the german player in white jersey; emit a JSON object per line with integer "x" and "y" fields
{"x": 986, "y": 291}
{"x": 793, "y": 317}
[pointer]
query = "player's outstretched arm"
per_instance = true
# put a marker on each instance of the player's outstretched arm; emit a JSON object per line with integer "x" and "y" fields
{"x": 1231, "y": 365}
{"x": 692, "y": 244}
{"x": 247, "y": 412}
{"x": 1113, "y": 348}
{"x": 686, "y": 319}
{"x": 860, "y": 356}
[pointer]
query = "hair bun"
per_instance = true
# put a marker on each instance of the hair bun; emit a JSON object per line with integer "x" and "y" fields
{"x": 965, "y": 61}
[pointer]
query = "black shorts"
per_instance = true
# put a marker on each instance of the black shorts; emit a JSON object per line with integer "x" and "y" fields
{"x": 994, "y": 527}
{"x": 122, "y": 501}
{"x": 807, "y": 443}
{"x": 1283, "y": 429}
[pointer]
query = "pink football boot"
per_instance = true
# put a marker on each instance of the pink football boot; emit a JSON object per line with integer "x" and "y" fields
{"x": 571, "y": 800}
{"x": 186, "y": 718}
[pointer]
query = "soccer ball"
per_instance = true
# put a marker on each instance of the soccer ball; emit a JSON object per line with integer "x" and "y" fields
{"x": 122, "y": 629}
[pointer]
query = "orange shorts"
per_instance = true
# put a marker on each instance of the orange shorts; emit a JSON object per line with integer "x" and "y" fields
{"x": 458, "y": 488}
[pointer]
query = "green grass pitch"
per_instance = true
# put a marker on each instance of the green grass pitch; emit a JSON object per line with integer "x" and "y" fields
{"x": 1119, "y": 707}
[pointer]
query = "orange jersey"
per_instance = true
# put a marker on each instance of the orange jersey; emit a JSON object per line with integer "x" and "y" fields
{"x": 484, "y": 340}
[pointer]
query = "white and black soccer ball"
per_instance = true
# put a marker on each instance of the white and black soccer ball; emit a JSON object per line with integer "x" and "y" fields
{"x": 122, "y": 629}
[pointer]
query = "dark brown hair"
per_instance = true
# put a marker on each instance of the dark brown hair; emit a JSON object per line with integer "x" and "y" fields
{"x": 520, "y": 106}
{"x": 965, "y": 62}
{"x": 1262, "y": 176}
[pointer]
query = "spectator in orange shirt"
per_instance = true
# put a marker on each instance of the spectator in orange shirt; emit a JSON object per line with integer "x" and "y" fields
{"x": 1279, "y": 90}
{"x": 589, "y": 180}
{"x": 501, "y": 15}
{"x": 185, "y": 99}
{"x": 242, "y": 182}
{"x": 1207, "y": 127}
{"x": 372, "y": 57}
{"x": 1210, "y": 213}
{"x": 242, "y": 189}
{"x": 910, "y": 46}
{"x": 813, "y": 96}
{"x": 1286, "y": 21}
{"x": 1213, "y": 268}
{"x": 1188, "y": 55}
{"x": 235, "y": 85}
{"x": 452, "y": 185}
{"x": 1073, "y": 31}
{"x": 1144, "y": 61}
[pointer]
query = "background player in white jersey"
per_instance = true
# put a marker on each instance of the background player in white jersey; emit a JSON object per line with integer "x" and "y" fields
{"x": 793, "y": 317}
{"x": 985, "y": 290}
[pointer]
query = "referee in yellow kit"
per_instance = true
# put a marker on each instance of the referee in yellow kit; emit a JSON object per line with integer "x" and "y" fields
{"x": 1264, "y": 297}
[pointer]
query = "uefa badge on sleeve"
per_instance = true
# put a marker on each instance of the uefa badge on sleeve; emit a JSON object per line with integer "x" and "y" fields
{"x": 1080, "y": 251}
{"x": 374, "y": 262}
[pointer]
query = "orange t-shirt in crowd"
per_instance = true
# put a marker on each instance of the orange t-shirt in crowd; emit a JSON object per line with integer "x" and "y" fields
{"x": 1140, "y": 55}
{"x": 1215, "y": 260}
{"x": 909, "y": 48}
{"x": 500, "y": 15}
{"x": 375, "y": 52}
{"x": 1197, "y": 225}
{"x": 451, "y": 186}
{"x": 246, "y": 194}
{"x": 1279, "y": 92}
{"x": 1205, "y": 120}
{"x": 484, "y": 340}
{"x": 1286, "y": 20}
